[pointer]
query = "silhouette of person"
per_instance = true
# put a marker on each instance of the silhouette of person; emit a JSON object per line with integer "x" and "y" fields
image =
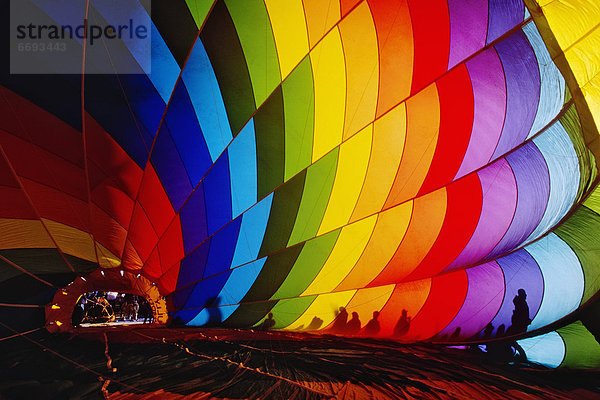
{"x": 520, "y": 321}
{"x": 520, "y": 317}
{"x": 373, "y": 326}
{"x": 403, "y": 324}
{"x": 487, "y": 332}
{"x": 455, "y": 334}
{"x": 214, "y": 312}
{"x": 340, "y": 321}
{"x": 268, "y": 323}
{"x": 353, "y": 326}
{"x": 314, "y": 324}
{"x": 501, "y": 350}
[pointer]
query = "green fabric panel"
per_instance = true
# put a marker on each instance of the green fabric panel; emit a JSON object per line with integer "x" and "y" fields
{"x": 199, "y": 10}
{"x": 270, "y": 137}
{"x": 587, "y": 165}
{"x": 568, "y": 96}
{"x": 287, "y": 311}
{"x": 254, "y": 30}
{"x": 319, "y": 183}
{"x": 581, "y": 348}
{"x": 593, "y": 201}
{"x": 581, "y": 233}
{"x": 272, "y": 275}
{"x": 227, "y": 58}
{"x": 299, "y": 106}
{"x": 248, "y": 314}
{"x": 286, "y": 201}
{"x": 177, "y": 27}
{"x": 307, "y": 266}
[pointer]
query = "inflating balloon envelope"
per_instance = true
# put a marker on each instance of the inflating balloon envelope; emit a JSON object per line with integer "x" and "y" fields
{"x": 404, "y": 170}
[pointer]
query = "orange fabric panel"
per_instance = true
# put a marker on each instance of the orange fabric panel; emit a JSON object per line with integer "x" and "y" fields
{"x": 141, "y": 233}
{"x": 423, "y": 123}
{"x": 155, "y": 201}
{"x": 427, "y": 219}
{"x": 408, "y": 296}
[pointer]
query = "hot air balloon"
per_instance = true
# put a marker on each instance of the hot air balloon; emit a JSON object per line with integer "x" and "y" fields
{"x": 403, "y": 170}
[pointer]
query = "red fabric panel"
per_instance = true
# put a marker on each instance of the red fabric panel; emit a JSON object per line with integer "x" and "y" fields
{"x": 394, "y": 37}
{"x": 14, "y": 204}
{"x": 347, "y": 5}
{"x": 464, "y": 209}
{"x": 34, "y": 163}
{"x": 431, "y": 30}
{"x": 168, "y": 282}
{"x": 58, "y": 206}
{"x": 113, "y": 202}
{"x": 456, "y": 123}
{"x": 445, "y": 299}
{"x": 155, "y": 201}
{"x": 7, "y": 178}
{"x": 152, "y": 269}
{"x": 34, "y": 124}
{"x": 170, "y": 246}
{"x": 141, "y": 233}
{"x": 107, "y": 231}
{"x": 111, "y": 159}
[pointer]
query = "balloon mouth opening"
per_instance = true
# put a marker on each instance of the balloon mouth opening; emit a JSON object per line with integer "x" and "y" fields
{"x": 62, "y": 314}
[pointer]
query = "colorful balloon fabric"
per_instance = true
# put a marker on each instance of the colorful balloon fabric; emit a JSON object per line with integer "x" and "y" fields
{"x": 425, "y": 167}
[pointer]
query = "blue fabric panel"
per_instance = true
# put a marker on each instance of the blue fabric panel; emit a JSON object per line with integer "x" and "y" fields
{"x": 165, "y": 70}
{"x": 193, "y": 265}
{"x": 563, "y": 279}
{"x": 217, "y": 195}
{"x": 180, "y": 296}
{"x": 187, "y": 135}
{"x": 503, "y": 16}
{"x": 184, "y": 316}
{"x": 222, "y": 247}
{"x": 213, "y": 315}
{"x": 252, "y": 232}
{"x": 193, "y": 220}
{"x": 548, "y": 350}
{"x": 552, "y": 90}
{"x": 563, "y": 165}
{"x": 206, "y": 292}
{"x": 522, "y": 90}
{"x": 170, "y": 169}
{"x": 520, "y": 272}
{"x": 242, "y": 166}
{"x": 240, "y": 281}
{"x": 533, "y": 189}
{"x": 206, "y": 98}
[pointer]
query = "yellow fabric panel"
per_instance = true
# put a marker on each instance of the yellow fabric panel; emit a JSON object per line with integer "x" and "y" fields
{"x": 329, "y": 75}
{"x": 23, "y": 234}
{"x": 367, "y": 300}
{"x": 347, "y": 250}
{"x": 389, "y": 133}
{"x": 423, "y": 120}
{"x": 350, "y": 174}
{"x": 389, "y": 230}
{"x": 321, "y": 16}
{"x": 428, "y": 216}
{"x": 289, "y": 28}
{"x": 571, "y": 19}
{"x": 584, "y": 58}
{"x": 72, "y": 240}
{"x": 362, "y": 63}
{"x": 591, "y": 92}
{"x": 106, "y": 259}
{"x": 324, "y": 307}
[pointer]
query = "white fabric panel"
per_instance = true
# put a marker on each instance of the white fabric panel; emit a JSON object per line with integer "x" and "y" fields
{"x": 548, "y": 349}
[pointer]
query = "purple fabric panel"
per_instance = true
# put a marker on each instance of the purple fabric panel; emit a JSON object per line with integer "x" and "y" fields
{"x": 504, "y": 15}
{"x": 522, "y": 90}
{"x": 484, "y": 298}
{"x": 499, "y": 202}
{"x": 468, "y": 28}
{"x": 533, "y": 191}
{"x": 489, "y": 95}
{"x": 520, "y": 272}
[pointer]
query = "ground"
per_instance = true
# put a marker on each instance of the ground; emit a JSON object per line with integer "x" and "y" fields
{"x": 133, "y": 362}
